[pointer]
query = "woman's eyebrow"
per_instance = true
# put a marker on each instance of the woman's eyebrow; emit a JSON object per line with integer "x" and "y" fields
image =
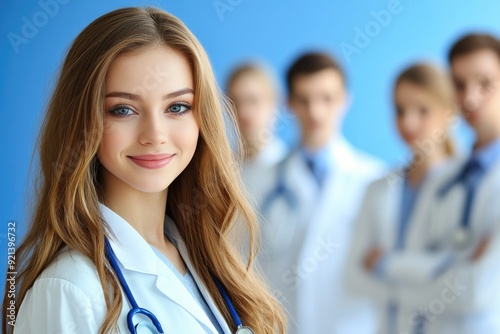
{"x": 178, "y": 93}
{"x": 136, "y": 97}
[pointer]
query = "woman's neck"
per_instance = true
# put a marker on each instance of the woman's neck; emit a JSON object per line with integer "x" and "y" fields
{"x": 316, "y": 141}
{"x": 418, "y": 169}
{"x": 252, "y": 146}
{"x": 485, "y": 138}
{"x": 145, "y": 212}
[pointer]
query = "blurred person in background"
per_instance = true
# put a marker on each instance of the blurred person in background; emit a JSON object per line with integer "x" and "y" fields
{"x": 465, "y": 211}
{"x": 311, "y": 200}
{"x": 389, "y": 244}
{"x": 254, "y": 91}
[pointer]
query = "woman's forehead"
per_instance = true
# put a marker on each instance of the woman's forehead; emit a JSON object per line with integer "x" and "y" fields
{"x": 149, "y": 70}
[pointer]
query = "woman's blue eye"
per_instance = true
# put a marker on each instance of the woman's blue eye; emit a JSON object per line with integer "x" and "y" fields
{"x": 122, "y": 111}
{"x": 179, "y": 108}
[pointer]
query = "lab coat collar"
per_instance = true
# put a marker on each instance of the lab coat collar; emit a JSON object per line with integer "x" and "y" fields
{"x": 342, "y": 152}
{"x": 488, "y": 156}
{"x": 129, "y": 245}
{"x": 172, "y": 231}
{"x": 336, "y": 153}
{"x": 273, "y": 152}
{"x": 135, "y": 254}
{"x": 338, "y": 157}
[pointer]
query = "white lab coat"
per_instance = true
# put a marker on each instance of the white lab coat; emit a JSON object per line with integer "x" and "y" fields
{"x": 466, "y": 298}
{"x": 251, "y": 171}
{"x": 304, "y": 247}
{"x": 68, "y": 298}
{"x": 407, "y": 270}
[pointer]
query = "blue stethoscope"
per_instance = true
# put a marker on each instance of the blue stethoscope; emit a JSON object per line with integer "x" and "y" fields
{"x": 280, "y": 190}
{"x": 280, "y": 236}
{"x": 110, "y": 254}
{"x": 463, "y": 236}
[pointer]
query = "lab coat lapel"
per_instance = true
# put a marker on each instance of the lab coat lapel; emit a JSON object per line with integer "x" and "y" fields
{"x": 416, "y": 237}
{"x": 422, "y": 222}
{"x": 299, "y": 176}
{"x": 128, "y": 244}
{"x": 135, "y": 254}
{"x": 170, "y": 285}
{"x": 173, "y": 232}
{"x": 326, "y": 221}
{"x": 331, "y": 200}
{"x": 285, "y": 224}
{"x": 391, "y": 195}
{"x": 483, "y": 210}
{"x": 445, "y": 210}
{"x": 326, "y": 241}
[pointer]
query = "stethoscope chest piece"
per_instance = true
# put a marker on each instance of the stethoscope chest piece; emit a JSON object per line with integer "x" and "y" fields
{"x": 244, "y": 330}
{"x": 144, "y": 327}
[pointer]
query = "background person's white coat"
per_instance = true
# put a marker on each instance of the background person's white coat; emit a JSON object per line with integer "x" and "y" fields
{"x": 304, "y": 247}
{"x": 405, "y": 270}
{"x": 253, "y": 171}
{"x": 474, "y": 303}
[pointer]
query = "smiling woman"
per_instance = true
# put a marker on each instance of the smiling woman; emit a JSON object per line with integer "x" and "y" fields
{"x": 138, "y": 196}
{"x": 148, "y": 129}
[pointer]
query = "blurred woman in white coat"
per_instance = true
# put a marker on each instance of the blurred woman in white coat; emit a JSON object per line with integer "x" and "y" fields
{"x": 310, "y": 202}
{"x": 138, "y": 195}
{"x": 254, "y": 92}
{"x": 389, "y": 256}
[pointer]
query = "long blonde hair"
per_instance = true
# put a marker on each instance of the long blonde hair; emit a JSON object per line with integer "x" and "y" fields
{"x": 67, "y": 212}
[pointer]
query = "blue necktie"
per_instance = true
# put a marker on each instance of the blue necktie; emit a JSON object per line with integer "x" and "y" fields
{"x": 315, "y": 170}
{"x": 472, "y": 174}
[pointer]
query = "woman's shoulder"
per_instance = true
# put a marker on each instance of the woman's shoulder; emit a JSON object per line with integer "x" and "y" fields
{"x": 73, "y": 268}
{"x": 388, "y": 180}
{"x": 67, "y": 297}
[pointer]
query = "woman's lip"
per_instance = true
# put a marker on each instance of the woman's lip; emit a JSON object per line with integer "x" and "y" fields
{"x": 409, "y": 138}
{"x": 150, "y": 157}
{"x": 472, "y": 115}
{"x": 152, "y": 161}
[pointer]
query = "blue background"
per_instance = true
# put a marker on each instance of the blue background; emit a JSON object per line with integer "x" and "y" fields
{"x": 231, "y": 31}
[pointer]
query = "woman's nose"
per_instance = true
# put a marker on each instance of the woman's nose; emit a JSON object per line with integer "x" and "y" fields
{"x": 153, "y": 130}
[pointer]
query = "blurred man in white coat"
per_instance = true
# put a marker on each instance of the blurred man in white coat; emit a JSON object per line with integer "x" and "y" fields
{"x": 309, "y": 204}
{"x": 465, "y": 213}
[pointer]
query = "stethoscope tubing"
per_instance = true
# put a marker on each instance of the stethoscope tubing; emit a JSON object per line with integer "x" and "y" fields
{"x": 111, "y": 256}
